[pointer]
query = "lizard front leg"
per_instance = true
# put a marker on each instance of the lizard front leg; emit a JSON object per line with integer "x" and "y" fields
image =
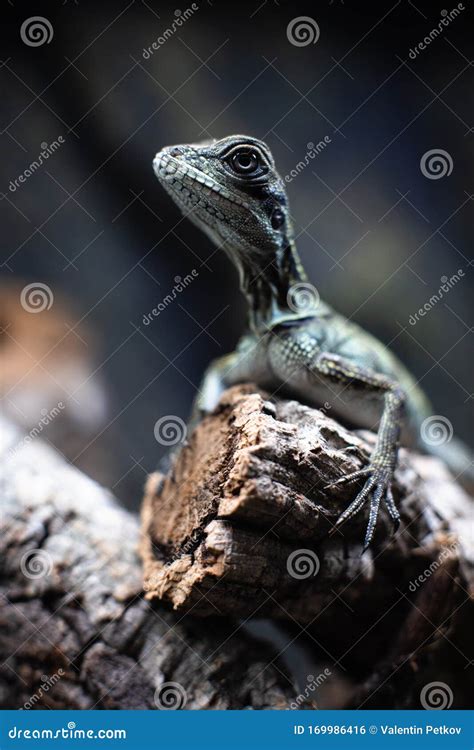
{"x": 217, "y": 378}
{"x": 383, "y": 461}
{"x": 289, "y": 356}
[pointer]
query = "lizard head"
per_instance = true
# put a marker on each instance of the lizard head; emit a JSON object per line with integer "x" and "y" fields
{"x": 231, "y": 190}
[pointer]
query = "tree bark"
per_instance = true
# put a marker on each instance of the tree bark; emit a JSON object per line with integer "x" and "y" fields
{"x": 240, "y": 526}
{"x": 75, "y": 629}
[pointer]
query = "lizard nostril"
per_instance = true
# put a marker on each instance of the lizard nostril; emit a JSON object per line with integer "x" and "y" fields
{"x": 278, "y": 218}
{"x": 175, "y": 152}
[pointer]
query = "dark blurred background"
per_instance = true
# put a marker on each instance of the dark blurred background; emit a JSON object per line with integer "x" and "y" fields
{"x": 92, "y": 224}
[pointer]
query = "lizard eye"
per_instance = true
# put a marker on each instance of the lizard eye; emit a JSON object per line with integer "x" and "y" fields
{"x": 245, "y": 162}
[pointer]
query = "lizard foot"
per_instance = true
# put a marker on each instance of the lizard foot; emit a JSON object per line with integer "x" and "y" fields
{"x": 376, "y": 488}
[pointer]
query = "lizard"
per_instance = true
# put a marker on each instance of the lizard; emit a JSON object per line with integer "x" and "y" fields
{"x": 294, "y": 341}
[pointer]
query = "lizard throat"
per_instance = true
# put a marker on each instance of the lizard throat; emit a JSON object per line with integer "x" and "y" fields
{"x": 269, "y": 289}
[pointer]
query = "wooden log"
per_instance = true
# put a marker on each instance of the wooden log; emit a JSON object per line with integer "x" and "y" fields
{"x": 241, "y": 523}
{"x": 240, "y": 526}
{"x": 75, "y": 630}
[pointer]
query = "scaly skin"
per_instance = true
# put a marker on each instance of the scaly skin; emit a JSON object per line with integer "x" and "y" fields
{"x": 295, "y": 344}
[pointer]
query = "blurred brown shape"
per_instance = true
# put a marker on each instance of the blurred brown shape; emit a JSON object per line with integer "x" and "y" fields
{"x": 47, "y": 379}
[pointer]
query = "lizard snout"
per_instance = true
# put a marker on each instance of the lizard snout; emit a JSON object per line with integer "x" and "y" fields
{"x": 164, "y": 163}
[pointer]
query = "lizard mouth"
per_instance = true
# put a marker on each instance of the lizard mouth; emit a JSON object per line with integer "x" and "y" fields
{"x": 190, "y": 186}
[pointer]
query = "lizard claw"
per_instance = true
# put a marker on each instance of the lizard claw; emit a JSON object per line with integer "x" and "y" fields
{"x": 348, "y": 478}
{"x": 392, "y": 509}
{"x": 376, "y": 488}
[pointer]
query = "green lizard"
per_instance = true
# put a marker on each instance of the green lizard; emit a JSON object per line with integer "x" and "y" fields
{"x": 295, "y": 343}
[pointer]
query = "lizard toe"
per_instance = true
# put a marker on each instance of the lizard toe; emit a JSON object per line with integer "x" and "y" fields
{"x": 376, "y": 488}
{"x": 349, "y": 478}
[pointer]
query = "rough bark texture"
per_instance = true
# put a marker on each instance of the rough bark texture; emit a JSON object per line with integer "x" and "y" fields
{"x": 249, "y": 489}
{"x": 240, "y": 525}
{"x": 75, "y": 631}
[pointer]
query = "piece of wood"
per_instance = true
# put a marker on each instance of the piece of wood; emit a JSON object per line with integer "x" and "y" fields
{"x": 240, "y": 524}
{"x": 75, "y": 631}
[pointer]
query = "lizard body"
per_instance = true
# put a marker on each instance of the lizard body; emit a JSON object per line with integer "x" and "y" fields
{"x": 296, "y": 344}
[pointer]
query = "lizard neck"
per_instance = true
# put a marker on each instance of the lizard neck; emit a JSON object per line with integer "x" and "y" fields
{"x": 267, "y": 287}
